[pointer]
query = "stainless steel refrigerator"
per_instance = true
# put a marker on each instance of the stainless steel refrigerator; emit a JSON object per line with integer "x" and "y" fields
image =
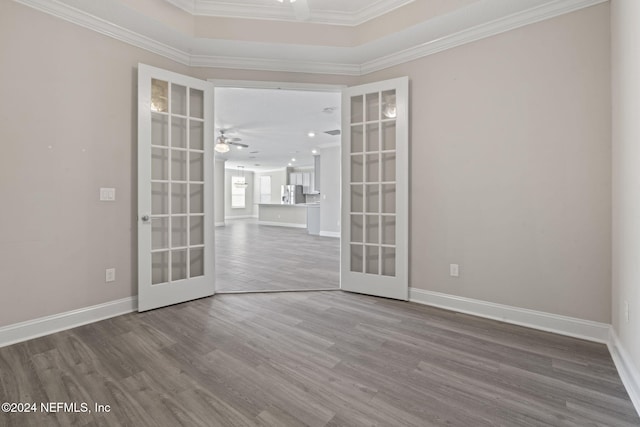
{"x": 291, "y": 194}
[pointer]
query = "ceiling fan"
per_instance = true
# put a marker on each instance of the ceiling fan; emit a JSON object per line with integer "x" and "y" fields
{"x": 223, "y": 143}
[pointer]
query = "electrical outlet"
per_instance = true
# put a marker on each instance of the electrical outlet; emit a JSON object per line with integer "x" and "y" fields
{"x": 626, "y": 311}
{"x": 110, "y": 275}
{"x": 454, "y": 270}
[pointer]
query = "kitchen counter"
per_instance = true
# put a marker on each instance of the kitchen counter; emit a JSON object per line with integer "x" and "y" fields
{"x": 283, "y": 215}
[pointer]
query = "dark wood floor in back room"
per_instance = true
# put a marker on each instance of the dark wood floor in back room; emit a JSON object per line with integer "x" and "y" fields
{"x": 314, "y": 359}
{"x": 252, "y": 257}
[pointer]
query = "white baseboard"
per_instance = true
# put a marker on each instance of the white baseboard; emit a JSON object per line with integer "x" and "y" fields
{"x": 30, "y": 329}
{"x": 330, "y": 234}
{"x": 282, "y": 224}
{"x": 563, "y": 325}
{"x": 628, "y": 372}
{"x": 240, "y": 217}
{"x": 220, "y": 224}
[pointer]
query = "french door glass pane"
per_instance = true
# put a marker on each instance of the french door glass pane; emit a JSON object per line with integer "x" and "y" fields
{"x": 159, "y": 267}
{"x": 196, "y": 104}
{"x": 159, "y": 233}
{"x": 178, "y": 198}
{"x": 357, "y": 258}
{"x": 178, "y": 132}
{"x": 357, "y": 224}
{"x": 357, "y": 139}
{"x": 196, "y": 262}
{"x": 373, "y": 137}
{"x": 357, "y": 198}
{"x": 372, "y": 228}
{"x": 159, "y": 164}
{"x": 178, "y": 100}
{"x": 178, "y": 231}
{"x": 373, "y": 106}
{"x": 159, "y": 198}
{"x": 196, "y": 135}
{"x": 159, "y": 129}
{"x": 159, "y": 96}
{"x": 388, "y": 261}
{"x": 357, "y": 109}
{"x": 178, "y": 165}
{"x": 196, "y": 230}
{"x": 178, "y": 264}
{"x": 373, "y": 183}
{"x": 372, "y": 262}
{"x": 389, "y": 135}
{"x": 196, "y": 166}
{"x": 388, "y": 229}
{"x": 196, "y": 197}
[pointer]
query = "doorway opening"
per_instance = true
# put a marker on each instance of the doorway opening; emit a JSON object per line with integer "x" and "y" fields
{"x": 277, "y": 188}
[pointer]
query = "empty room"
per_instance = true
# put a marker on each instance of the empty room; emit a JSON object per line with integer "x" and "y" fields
{"x": 477, "y": 196}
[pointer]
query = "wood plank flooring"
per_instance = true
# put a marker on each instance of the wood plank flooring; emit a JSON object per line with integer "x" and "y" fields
{"x": 313, "y": 359}
{"x": 252, "y": 257}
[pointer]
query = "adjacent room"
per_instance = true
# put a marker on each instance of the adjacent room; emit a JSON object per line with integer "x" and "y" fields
{"x": 320, "y": 212}
{"x": 281, "y": 227}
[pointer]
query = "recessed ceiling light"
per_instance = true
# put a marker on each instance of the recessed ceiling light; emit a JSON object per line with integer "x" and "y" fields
{"x": 314, "y": 151}
{"x": 239, "y": 147}
{"x": 293, "y": 160}
{"x": 289, "y": 164}
{"x": 311, "y": 134}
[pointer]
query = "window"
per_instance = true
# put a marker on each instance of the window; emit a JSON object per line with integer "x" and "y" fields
{"x": 238, "y": 188}
{"x": 265, "y": 189}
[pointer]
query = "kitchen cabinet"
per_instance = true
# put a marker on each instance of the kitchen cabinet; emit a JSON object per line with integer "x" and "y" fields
{"x": 306, "y": 179}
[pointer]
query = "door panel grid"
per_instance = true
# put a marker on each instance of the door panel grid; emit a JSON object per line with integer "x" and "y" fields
{"x": 177, "y": 182}
{"x": 373, "y": 183}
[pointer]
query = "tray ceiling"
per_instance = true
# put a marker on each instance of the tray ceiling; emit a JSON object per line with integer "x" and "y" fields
{"x": 338, "y": 12}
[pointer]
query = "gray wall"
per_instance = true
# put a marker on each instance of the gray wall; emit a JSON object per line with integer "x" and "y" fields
{"x": 511, "y": 167}
{"x": 230, "y": 213}
{"x": 625, "y": 55}
{"x": 330, "y": 190}
{"x": 219, "y": 196}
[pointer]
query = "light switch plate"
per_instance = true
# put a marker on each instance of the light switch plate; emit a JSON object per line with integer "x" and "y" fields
{"x": 454, "y": 270}
{"x": 107, "y": 194}
{"x": 110, "y": 275}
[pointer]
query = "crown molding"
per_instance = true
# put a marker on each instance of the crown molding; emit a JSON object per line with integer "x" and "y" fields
{"x": 282, "y": 13}
{"x": 498, "y": 26}
{"x": 86, "y": 20}
{"x": 265, "y": 64}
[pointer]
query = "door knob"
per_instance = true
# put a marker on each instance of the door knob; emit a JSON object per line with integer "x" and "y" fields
{"x": 145, "y": 218}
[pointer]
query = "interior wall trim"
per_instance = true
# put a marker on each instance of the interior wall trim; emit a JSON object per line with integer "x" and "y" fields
{"x": 563, "y": 325}
{"x": 628, "y": 372}
{"x": 42, "y": 326}
{"x": 86, "y": 20}
{"x": 335, "y": 234}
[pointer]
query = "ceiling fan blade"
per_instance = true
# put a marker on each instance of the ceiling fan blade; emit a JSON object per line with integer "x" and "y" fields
{"x": 237, "y": 143}
{"x": 301, "y": 10}
{"x": 234, "y": 139}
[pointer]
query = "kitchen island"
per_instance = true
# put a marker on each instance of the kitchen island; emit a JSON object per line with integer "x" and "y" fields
{"x": 283, "y": 215}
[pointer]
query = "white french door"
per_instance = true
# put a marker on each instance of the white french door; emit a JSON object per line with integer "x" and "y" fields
{"x": 175, "y": 188}
{"x": 375, "y": 189}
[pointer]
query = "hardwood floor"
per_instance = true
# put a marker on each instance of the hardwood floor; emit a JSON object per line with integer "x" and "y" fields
{"x": 316, "y": 359}
{"x": 252, "y": 257}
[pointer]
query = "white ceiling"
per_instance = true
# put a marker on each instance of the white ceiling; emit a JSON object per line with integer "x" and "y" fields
{"x": 275, "y": 123}
{"x": 337, "y": 12}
